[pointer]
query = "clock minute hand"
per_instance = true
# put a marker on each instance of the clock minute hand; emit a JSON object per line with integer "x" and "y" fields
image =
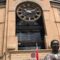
{"x": 29, "y": 11}
{"x": 33, "y": 10}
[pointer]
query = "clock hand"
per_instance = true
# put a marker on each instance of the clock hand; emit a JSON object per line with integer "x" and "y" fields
{"x": 29, "y": 11}
{"x": 33, "y": 10}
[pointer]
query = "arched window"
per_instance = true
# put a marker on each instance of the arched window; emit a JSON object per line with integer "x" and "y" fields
{"x": 29, "y": 25}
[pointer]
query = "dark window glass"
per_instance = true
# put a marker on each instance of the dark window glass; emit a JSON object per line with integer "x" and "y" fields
{"x": 29, "y": 33}
{"x": 2, "y": 1}
{"x": 29, "y": 36}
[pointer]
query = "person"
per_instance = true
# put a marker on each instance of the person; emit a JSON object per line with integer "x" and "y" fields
{"x": 54, "y": 55}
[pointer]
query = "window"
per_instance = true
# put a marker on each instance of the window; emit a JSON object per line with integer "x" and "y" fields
{"x": 2, "y": 1}
{"x": 29, "y": 26}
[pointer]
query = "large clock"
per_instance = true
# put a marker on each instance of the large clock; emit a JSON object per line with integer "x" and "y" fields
{"x": 28, "y": 11}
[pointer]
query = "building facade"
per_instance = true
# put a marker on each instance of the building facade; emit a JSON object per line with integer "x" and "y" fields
{"x": 25, "y": 24}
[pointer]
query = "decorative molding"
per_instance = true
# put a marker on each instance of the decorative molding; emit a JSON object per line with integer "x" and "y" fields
{"x": 25, "y": 51}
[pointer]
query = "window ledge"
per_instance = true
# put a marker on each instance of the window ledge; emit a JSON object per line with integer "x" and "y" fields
{"x": 25, "y": 51}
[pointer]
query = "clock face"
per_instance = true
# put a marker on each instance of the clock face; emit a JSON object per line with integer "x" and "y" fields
{"x": 28, "y": 11}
